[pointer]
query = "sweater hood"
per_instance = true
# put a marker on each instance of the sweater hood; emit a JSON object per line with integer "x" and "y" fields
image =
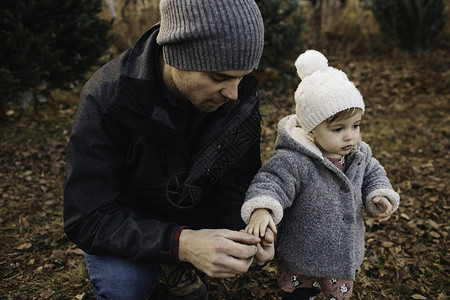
{"x": 291, "y": 136}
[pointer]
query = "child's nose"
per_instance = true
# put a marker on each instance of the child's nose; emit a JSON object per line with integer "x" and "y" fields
{"x": 349, "y": 135}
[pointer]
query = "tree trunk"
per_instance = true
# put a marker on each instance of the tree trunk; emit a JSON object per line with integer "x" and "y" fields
{"x": 2, "y": 111}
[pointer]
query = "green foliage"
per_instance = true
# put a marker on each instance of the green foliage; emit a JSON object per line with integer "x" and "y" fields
{"x": 283, "y": 27}
{"x": 48, "y": 44}
{"x": 411, "y": 24}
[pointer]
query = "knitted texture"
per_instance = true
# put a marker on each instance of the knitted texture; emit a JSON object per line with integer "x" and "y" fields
{"x": 323, "y": 91}
{"x": 212, "y": 35}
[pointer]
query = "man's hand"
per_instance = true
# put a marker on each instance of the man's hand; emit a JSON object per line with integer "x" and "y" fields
{"x": 385, "y": 206}
{"x": 219, "y": 253}
{"x": 266, "y": 249}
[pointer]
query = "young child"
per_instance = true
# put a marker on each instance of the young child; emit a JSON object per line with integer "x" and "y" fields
{"x": 316, "y": 183}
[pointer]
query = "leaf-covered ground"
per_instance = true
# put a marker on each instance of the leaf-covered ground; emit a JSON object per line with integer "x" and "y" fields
{"x": 407, "y": 124}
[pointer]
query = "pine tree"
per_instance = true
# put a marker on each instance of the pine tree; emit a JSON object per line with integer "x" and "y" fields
{"x": 48, "y": 44}
{"x": 283, "y": 27}
{"x": 411, "y": 24}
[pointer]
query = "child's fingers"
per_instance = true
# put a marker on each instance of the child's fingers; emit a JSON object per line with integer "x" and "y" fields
{"x": 389, "y": 208}
{"x": 383, "y": 204}
{"x": 250, "y": 229}
{"x": 383, "y": 218}
{"x": 262, "y": 229}
{"x": 256, "y": 231}
{"x": 273, "y": 226}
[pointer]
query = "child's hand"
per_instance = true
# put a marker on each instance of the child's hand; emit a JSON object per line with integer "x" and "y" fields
{"x": 385, "y": 206}
{"x": 259, "y": 221}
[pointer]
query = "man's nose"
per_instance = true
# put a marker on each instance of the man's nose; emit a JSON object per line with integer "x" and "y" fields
{"x": 230, "y": 90}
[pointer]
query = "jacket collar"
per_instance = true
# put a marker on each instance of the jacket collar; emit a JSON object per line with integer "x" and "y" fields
{"x": 143, "y": 55}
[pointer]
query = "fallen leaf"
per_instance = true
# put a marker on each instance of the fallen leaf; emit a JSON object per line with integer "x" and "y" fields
{"x": 23, "y": 223}
{"x": 404, "y": 216}
{"x": 435, "y": 235}
{"x": 418, "y": 297}
{"x": 58, "y": 255}
{"x": 47, "y": 294}
{"x": 434, "y": 198}
{"x": 80, "y": 296}
{"x": 24, "y": 246}
{"x": 387, "y": 244}
{"x": 442, "y": 296}
{"x": 38, "y": 270}
{"x": 433, "y": 224}
{"x": 76, "y": 251}
{"x": 56, "y": 168}
{"x": 420, "y": 248}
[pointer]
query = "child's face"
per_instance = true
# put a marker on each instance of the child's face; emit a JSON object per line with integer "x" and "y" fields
{"x": 339, "y": 137}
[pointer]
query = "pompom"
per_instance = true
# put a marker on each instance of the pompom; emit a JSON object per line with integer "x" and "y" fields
{"x": 309, "y": 62}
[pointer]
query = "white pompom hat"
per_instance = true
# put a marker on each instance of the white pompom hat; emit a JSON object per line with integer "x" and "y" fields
{"x": 323, "y": 92}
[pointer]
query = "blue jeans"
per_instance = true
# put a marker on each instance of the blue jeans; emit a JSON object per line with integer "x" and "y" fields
{"x": 114, "y": 277}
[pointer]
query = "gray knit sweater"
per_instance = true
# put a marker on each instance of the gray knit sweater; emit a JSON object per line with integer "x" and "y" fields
{"x": 321, "y": 233}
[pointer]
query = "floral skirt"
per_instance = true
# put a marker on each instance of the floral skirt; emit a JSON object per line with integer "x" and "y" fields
{"x": 332, "y": 288}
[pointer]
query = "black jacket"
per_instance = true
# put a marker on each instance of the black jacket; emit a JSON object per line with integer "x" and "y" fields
{"x": 132, "y": 180}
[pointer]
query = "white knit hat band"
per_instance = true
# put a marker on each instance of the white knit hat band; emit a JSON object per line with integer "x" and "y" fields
{"x": 329, "y": 106}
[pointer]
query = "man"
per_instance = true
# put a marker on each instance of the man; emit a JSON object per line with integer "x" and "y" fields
{"x": 164, "y": 145}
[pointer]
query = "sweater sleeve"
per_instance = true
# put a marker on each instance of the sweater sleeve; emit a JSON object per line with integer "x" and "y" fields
{"x": 274, "y": 187}
{"x": 376, "y": 183}
{"x": 93, "y": 218}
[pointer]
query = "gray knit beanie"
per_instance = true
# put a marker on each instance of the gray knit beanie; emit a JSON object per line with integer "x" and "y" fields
{"x": 323, "y": 92}
{"x": 211, "y": 35}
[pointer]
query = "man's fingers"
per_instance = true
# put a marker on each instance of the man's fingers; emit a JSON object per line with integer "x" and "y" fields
{"x": 242, "y": 237}
{"x": 228, "y": 266}
{"x": 238, "y": 250}
{"x": 250, "y": 229}
{"x": 266, "y": 250}
{"x": 218, "y": 252}
{"x": 269, "y": 237}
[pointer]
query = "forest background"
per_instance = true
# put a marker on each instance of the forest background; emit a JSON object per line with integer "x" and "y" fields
{"x": 407, "y": 123}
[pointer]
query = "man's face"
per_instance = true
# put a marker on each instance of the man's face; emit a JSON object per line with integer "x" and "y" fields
{"x": 206, "y": 91}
